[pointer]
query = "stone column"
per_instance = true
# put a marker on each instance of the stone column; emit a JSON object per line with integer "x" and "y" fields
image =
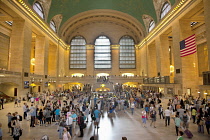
{"x": 187, "y": 77}
{"x": 20, "y": 46}
{"x": 90, "y": 60}
{"x": 41, "y": 55}
{"x": 138, "y": 62}
{"x": 162, "y": 54}
{"x": 52, "y": 61}
{"x": 207, "y": 24}
{"x": 115, "y": 60}
{"x": 152, "y": 64}
{"x": 61, "y": 62}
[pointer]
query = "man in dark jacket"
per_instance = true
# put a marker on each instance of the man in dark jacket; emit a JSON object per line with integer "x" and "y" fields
{"x": 81, "y": 123}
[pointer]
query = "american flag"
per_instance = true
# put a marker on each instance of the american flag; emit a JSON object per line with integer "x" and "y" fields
{"x": 188, "y": 46}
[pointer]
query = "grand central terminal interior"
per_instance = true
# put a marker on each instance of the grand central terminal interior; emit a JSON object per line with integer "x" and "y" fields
{"x": 102, "y": 46}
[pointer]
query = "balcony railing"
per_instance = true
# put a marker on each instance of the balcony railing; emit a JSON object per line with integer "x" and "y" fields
{"x": 157, "y": 80}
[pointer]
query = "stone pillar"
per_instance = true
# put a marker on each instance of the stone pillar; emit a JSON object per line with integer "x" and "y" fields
{"x": 115, "y": 59}
{"x": 162, "y": 54}
{"x": 20, "y": 46}
{"x": 207, "y": 24}
{"x": 61, "y": 62}
{"x": 52, "y": 61}
{"x": 152, "y": 64}
{"x": 90, "y": 60}
{"x": 138, "y": 62}
{"x": 144, "y": 62}
{"x": 186, "y": 64}
{"x": 41, "y": 55}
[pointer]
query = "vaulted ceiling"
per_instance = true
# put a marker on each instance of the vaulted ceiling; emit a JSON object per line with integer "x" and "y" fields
{"x": 124, "y": 15}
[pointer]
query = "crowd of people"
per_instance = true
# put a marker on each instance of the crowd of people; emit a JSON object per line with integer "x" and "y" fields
{"x": 71, "y": 110}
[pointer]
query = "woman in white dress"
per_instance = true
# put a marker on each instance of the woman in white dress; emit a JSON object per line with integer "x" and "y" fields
{"x": 66, "y": 135}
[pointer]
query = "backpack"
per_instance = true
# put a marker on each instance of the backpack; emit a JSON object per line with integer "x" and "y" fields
{"x": 185, "y": 118}
{"x": 20, "y": 118}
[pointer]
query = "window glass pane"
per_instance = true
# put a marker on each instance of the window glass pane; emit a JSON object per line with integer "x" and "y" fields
{"x": 39, "y": 10}
{"x": 165, "y": 9}
{"x": 102, "y": 53}
{"x": 52, "y": 25}
{"x": 151, "y": 25}
{"x": 78, "y": 53}
{"x": 127, "y": 52}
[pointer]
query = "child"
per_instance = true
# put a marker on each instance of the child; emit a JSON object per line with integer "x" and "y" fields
{"x": 180, "y": 135}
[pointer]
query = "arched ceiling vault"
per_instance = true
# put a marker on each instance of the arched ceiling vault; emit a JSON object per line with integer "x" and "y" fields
{"x": 102, "y": 22}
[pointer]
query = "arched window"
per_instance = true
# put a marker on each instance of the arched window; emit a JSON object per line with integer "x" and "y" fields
{"x": 38, "y": 8}
{"x": 78, "y": 53}
{"x": 151, "y": 25}
{"x": 102, "y": 53}
{"x": 165, "y": 9}
{"x": 53, "y": 26}
{"x": 127, "y": 53}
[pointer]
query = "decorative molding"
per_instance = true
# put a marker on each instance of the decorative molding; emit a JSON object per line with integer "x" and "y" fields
{"x": 31, "y": 15}
{"x": 165, "y": 21}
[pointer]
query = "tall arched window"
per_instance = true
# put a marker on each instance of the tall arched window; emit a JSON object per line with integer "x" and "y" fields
{"x": 102, "y": 53}
{"x": 151, "y": 25}
{"x": 78, "y": 53}
{"x": 165, "y": 9}
{"x": 53, "y": 26}
{"x": 127, "y": 53}
{"x": 38, "y": 8}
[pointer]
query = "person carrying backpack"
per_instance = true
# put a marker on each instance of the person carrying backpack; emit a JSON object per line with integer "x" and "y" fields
{"x": 185, "y": 120}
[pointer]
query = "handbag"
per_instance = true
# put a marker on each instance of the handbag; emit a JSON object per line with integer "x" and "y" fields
{"x": 201, "y": 123}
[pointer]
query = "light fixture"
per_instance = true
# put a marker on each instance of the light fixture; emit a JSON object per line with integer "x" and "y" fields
{"x": 171, "y": 68}
{"x": 33, "y": 61}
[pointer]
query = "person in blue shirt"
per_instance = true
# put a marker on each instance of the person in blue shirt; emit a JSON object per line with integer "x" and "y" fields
{"x": 95, "y": 99}
{"x": 33, "y": 115}
{"x": 57, "y": 115}
{"x": 96, "y": 115}
{"x": 74, "y": 117}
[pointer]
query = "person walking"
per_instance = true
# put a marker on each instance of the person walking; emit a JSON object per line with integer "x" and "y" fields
{"x": 17, "y": 132}
{"x": 66, "y": 135}
{"x": 144, "y": 117}
{"x": 80, "y": 121}
{"x": 33, "y": 115}
{"x": 69, "y": 122}
{"x": 167, "y": 114}
{"x": 57, "y": 115}
{"x": 153, "y": 117}
{"x": 87, "y": 112}
{"x": 96, "y": 115}
{"x": 132, "y": 107}
{"x": 74, "y": 117}
{"x": 160, "y": 109}
{"x": 177, "y": 123}
{"x": 60, "y": 128}
{"x": 2, "y": 103}
{"x": 194, "y": 113}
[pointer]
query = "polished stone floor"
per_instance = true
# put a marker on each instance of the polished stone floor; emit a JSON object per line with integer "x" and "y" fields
{"x": 122, "y": 124}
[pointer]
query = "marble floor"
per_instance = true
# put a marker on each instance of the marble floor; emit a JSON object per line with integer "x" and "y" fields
{"x": 122, "y": 124}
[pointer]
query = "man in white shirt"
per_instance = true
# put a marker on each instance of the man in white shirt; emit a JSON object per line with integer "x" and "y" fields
{"x": 69, "y": 122}
{"x": 24, "y": 111}
{"x": 167, "y": 113}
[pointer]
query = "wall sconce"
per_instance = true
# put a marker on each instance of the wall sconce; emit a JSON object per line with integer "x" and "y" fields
{"x": 32, "y": 80}
{"x": 40, "y": 80}
{"x": 171, "y": 68}
{"x": 33, "y": 61}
